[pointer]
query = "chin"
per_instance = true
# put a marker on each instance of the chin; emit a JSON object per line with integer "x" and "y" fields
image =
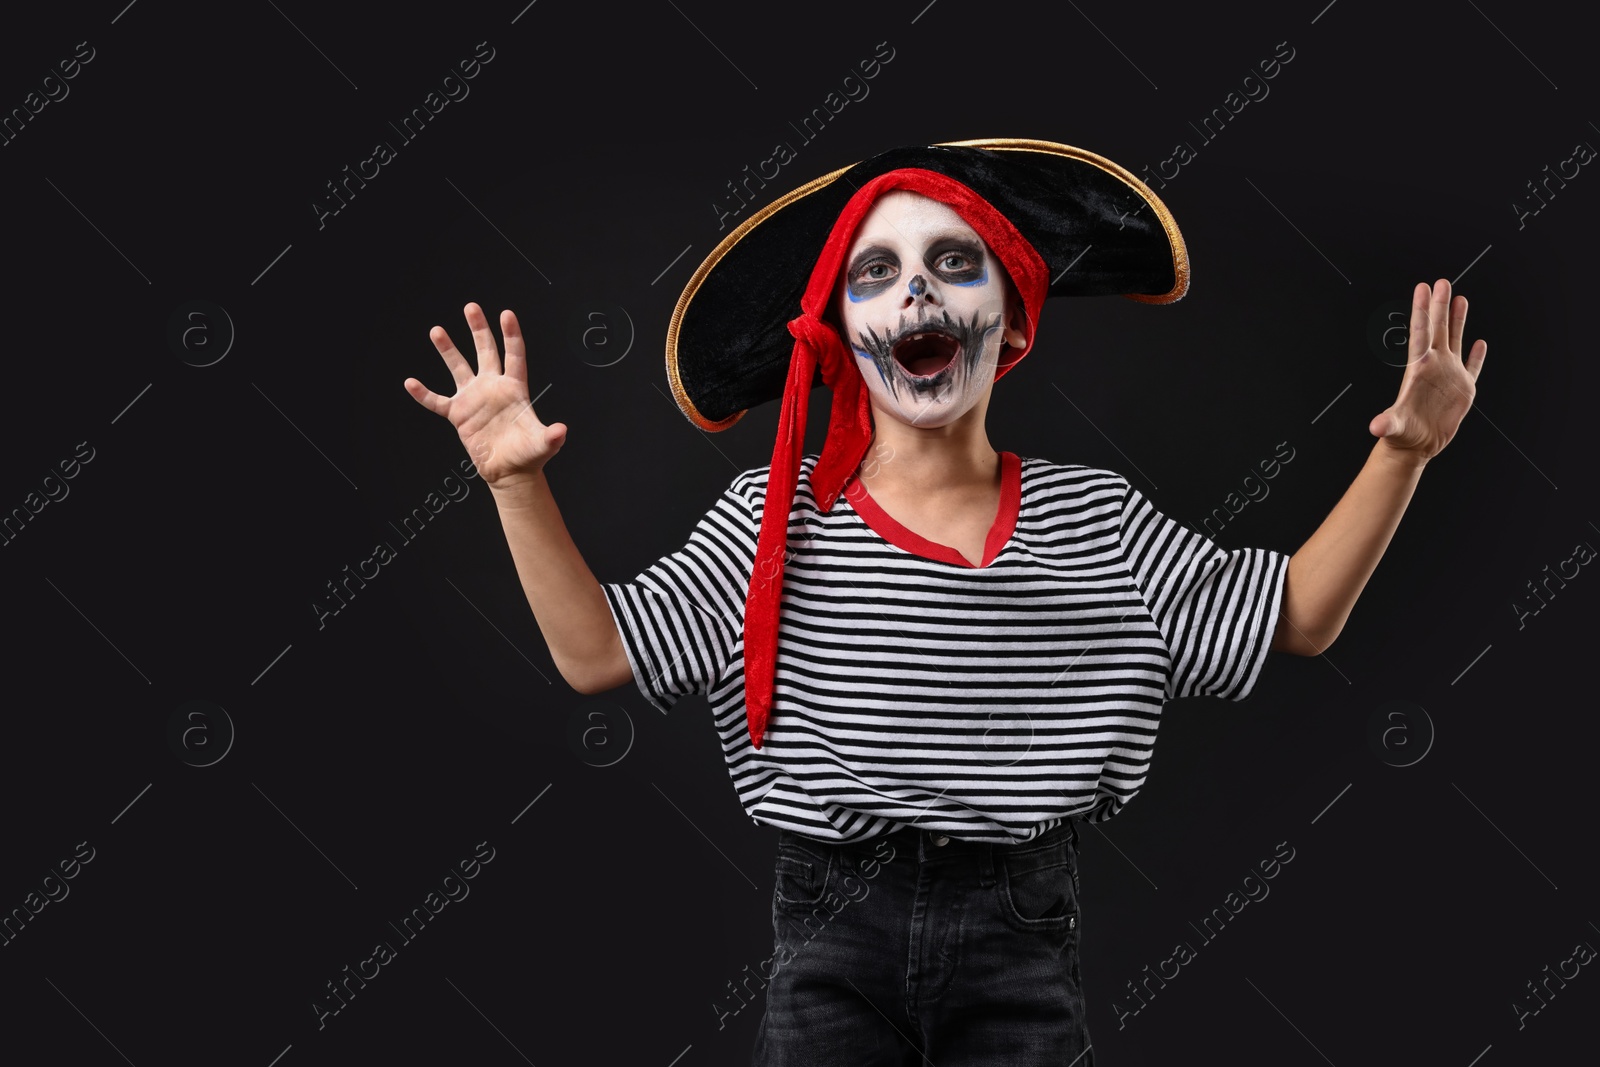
{"x": 927, "y": 416}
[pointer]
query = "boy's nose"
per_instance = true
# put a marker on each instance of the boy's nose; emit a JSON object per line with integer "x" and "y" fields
{"x": 918, "y": 290}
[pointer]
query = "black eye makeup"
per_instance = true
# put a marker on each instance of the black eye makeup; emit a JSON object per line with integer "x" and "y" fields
{"x": 872, "y": 271}
{"x": 954, "y": 261}
{"x": 959, "y": 263}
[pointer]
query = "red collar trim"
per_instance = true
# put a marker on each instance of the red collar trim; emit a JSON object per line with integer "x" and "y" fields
{"x": 1005, "y": 519}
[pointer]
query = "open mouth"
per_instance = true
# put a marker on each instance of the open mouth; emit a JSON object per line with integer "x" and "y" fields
{"x": 925, "y": 354}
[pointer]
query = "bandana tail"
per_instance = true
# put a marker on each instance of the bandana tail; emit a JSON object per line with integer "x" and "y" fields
{"x": 849, "y": 435}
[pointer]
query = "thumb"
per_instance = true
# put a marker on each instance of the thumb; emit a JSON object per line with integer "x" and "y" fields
{"x": 1386, "y": 424}
{"x": 555, "y": 434}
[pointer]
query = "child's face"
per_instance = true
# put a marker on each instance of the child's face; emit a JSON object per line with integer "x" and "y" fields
{"x": 925, "y": 308}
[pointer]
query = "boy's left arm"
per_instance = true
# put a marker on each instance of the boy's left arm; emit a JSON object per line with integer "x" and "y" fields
{"x": 1328, "y": 573}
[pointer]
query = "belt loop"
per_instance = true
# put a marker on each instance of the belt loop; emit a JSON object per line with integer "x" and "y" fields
{"x": 986, "y": 876}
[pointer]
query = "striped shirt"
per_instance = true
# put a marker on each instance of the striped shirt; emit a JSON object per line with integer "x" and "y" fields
{"x": 911, "y": 687}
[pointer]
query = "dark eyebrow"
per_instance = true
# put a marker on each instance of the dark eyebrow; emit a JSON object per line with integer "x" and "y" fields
{"x": 958, "y": 240}
{"x": 869, "y": 253}
{"x": 956, "y": 237}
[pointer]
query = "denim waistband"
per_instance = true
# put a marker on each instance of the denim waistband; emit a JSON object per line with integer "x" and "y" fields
{"x": 936, "y": 844}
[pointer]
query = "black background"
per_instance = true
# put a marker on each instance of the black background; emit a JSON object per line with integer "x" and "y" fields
{"x": 579, "y": 176}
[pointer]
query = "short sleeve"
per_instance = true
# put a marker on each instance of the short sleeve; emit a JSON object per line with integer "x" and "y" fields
{"x": 682, "y": 619}
{"x": 1217, "y": 608}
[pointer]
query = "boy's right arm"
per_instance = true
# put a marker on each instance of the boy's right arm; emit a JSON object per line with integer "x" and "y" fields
{"x": 510, "y": 446}
{"x": 566, "y": 599}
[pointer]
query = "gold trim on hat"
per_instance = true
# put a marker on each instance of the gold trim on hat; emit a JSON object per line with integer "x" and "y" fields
{"x": 678, "y": 392}
{"x": 1180, "y": 254}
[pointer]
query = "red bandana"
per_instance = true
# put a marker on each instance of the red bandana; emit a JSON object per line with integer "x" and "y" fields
{"x": 850, "y": 426}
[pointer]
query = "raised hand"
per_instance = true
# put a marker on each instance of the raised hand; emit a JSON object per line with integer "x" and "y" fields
{"x": 490, "y": 409}
{"x": 1438, "y": 388}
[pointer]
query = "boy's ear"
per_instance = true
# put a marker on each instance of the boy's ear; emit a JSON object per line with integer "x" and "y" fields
{"x": 1017, "y": 332}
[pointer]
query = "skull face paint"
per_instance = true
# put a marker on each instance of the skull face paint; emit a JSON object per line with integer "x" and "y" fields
{"x": 923, "y": 305}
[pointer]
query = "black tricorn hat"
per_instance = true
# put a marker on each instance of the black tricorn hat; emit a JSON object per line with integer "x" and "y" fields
{"x": 1098, "y": 228}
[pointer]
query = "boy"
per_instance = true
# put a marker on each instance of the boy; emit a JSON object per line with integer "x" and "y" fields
{"x": 973, "y": 648}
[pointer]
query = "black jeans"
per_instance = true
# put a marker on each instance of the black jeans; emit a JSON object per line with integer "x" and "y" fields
{"x": 915, "y": 947}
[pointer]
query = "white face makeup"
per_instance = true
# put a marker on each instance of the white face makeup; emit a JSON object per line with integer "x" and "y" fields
{"x": 922, "y": 302}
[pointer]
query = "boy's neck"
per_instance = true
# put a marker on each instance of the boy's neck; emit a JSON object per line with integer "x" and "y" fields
{"x": 915, "y": 459}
